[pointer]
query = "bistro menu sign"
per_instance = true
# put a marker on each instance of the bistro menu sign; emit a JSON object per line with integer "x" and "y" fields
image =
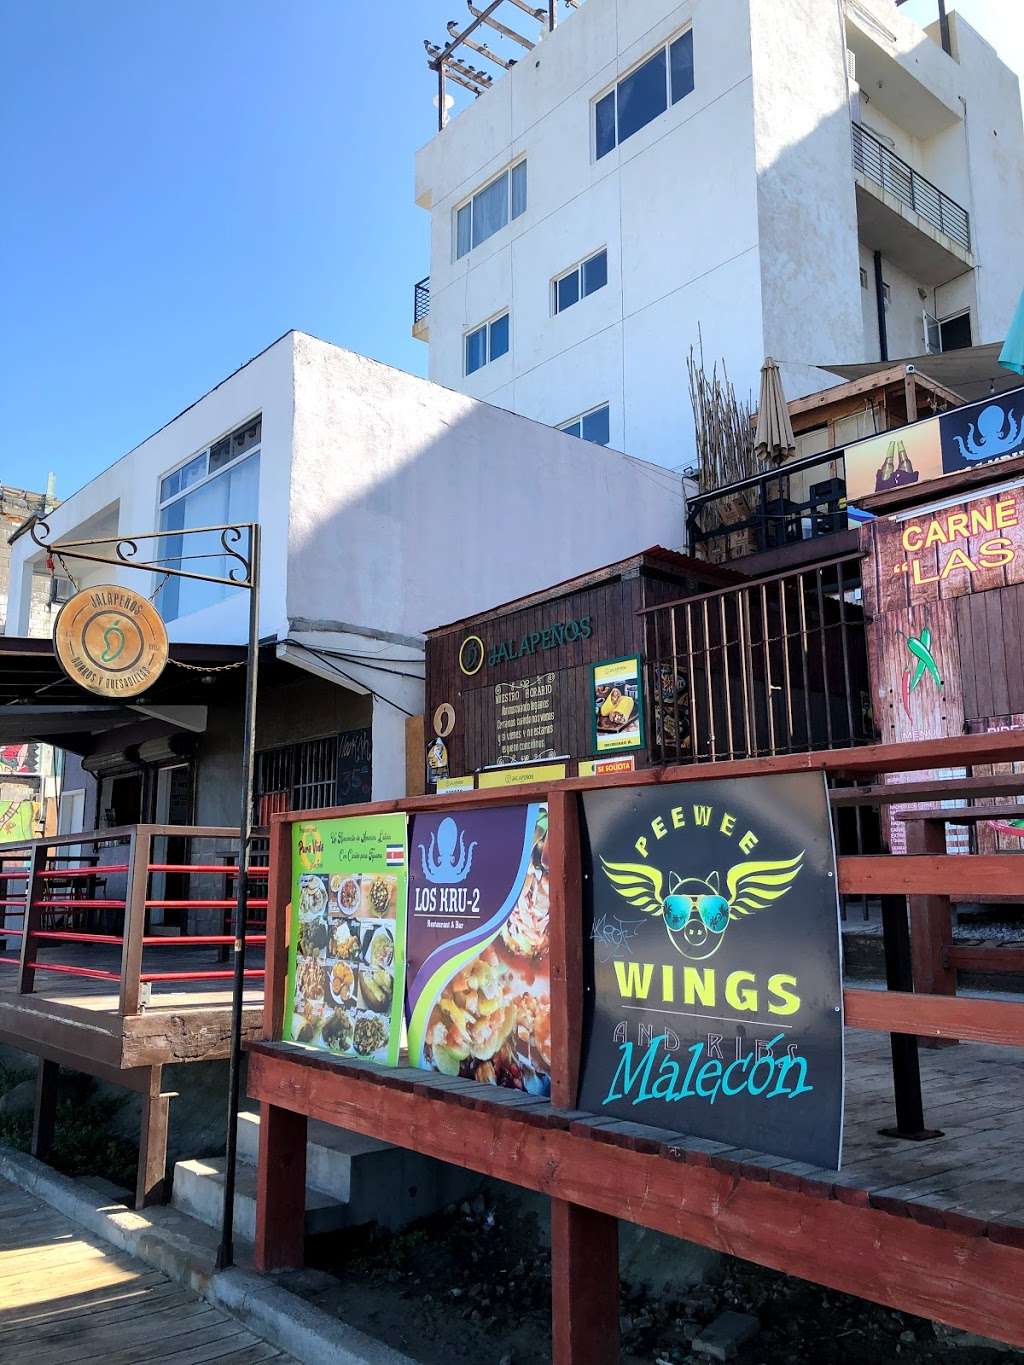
{"x": 111, "y": 641}
{"x": 715, "y": 993}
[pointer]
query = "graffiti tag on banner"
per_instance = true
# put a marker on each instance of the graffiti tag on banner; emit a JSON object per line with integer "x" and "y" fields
{"x": 714, "y": 1004}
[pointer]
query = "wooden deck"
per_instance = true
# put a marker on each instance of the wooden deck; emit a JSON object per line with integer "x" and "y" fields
{"x": 66, "y": 1296}
{"x": 77, "y": 1020}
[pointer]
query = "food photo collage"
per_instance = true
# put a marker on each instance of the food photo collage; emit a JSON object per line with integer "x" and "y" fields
{"x": 345, "y": 963}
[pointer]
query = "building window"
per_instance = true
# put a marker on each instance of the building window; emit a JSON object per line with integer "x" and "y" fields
{"x": 490, "y": 209}
{"x": 583, "y": 279}
{"x": 661, "y": 81}
{"x": 486, "y": 343}
{"x": 863, "y": 278}
{"x": 594, "y": 425}
{"x": 886, "y": 292}
{"x": 218, "y": 487}
{"x": 955, "y": 332}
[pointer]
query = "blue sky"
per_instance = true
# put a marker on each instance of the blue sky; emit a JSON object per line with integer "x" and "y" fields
{"x": 187, "y": 179}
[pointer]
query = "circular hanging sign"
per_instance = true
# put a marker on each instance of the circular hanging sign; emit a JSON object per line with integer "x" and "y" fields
{"x": 444, "y": 720}
{"x": 111, "y": 641}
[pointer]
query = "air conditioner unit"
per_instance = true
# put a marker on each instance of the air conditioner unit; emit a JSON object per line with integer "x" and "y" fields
{"x": 61, "y": 590}
{"x": 851, "y": 64}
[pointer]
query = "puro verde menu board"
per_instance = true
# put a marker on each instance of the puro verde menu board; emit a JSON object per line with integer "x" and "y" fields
{"x": 346, "y": 959}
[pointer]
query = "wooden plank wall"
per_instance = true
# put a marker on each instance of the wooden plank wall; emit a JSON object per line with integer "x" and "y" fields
{"x": 975, "y": 615}
{"x": 612, "y": 602}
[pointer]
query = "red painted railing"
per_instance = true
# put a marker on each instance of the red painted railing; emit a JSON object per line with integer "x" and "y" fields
{"x": 63, "y": 906}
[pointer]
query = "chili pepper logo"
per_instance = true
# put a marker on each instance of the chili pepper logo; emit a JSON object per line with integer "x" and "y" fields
{"x": 113, "y": 643}
{"x": 920, "y": 647}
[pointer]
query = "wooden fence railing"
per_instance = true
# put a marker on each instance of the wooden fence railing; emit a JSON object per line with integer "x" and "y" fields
{"x": 81, "y": 907}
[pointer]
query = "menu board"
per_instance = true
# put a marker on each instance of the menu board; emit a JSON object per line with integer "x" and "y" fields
{"x": 714, "y": 1000}
{"x": 346, "y": 960}
{"x": 478, "y": 956}
{"x": 525, "y": 718}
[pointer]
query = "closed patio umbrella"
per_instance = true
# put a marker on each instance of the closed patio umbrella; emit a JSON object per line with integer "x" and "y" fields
{"x": 773, "y": 436}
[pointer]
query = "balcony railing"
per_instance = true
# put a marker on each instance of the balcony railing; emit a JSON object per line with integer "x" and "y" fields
{"x": 421, "y": 300}
{"x": 874, "y": 160}
{"x": 798, "y": 501}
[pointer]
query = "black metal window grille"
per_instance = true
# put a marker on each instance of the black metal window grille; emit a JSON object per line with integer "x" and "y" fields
{"x": 333, "y": 770}
{"x": 776, "y": 666}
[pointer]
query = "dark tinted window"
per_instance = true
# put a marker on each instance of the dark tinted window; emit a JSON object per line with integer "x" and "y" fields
{"x": 518, "y": 189}
{"x": 642, "y": 96}
{"x": 476, "y": 350}
{"x": 606, "y": 124}
{"x": 499, "y": 337}
{"x": 595, "y": 272}
{"x": 568, "y": 290}
{"x": 682, "y": 66}
{"x": 597, "y": 427}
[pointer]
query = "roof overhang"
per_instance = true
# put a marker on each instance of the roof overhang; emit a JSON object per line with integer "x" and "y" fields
{"x": 38, "y": 701}
{"x": 973, "y": 372}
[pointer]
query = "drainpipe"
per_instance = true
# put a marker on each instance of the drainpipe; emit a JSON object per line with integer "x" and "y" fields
{"x": 883, "y": 337}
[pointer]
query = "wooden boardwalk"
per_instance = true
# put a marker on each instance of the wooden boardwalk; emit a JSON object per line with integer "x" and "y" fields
{"x": 65, "y": 1296}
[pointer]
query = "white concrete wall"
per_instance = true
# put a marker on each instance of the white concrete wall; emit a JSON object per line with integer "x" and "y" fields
{"x": 412, "y": 505}
{"x": 807, "y": 216}
{"x": 995, "y": 156}
{"x": 125, "y": 497}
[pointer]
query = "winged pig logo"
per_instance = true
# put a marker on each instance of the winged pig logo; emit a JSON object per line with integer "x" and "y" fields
{"x": 696, "y": 913}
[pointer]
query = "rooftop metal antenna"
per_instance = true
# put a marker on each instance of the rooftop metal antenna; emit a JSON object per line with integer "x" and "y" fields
{"x": 475, "y": 79}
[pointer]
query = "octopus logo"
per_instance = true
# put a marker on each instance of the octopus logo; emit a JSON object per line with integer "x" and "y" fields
{"x": 696, "y": 913}
{"x": 442, "y": 864}
{"x": 998, "y": 433}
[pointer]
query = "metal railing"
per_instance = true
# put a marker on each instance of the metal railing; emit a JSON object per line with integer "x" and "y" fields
{"x": 801, "y": 500}
{"x": 775, "y": 666}
{"x": 876, "y": 161}
{"x": 93, "y": 898}
{"x": 421, "y": 300}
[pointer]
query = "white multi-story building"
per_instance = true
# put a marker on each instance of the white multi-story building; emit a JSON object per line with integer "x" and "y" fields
{"x": 815, "y": 180}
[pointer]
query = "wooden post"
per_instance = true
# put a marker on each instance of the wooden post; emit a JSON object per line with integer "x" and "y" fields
{"x": 32, "y": 920}
{"x": 151, "y": 1180}
{"x": 584, "y": 1286}
{"x": 281, "y": 1188}
{"x": 134, "y": 923}
{"x": 931, "y": 925}
{"x": 279, "y": 891}
{"x": 44, "y": 1117}
{"x": 910, "y": 389}
{"x": 584, "y": 1244}
{"x": 566, "y": 933}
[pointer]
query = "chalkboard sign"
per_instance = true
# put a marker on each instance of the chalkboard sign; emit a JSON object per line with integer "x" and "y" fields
{"x": 715, "y": 1000}
{"x": 354, "y": 771}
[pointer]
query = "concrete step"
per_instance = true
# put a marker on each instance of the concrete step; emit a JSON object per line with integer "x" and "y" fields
{"x": 337, "y": 1161}
{"x": 378, "y": 1182}
{"x": 199, "y": 1191}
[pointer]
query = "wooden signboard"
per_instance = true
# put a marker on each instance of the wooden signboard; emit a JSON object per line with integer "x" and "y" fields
{"x": 944, "y": 586}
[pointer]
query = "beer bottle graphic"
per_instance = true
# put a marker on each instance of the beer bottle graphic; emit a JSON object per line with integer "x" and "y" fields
{"x": 886, "y": 476}
{"x": 905, "y": 471}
